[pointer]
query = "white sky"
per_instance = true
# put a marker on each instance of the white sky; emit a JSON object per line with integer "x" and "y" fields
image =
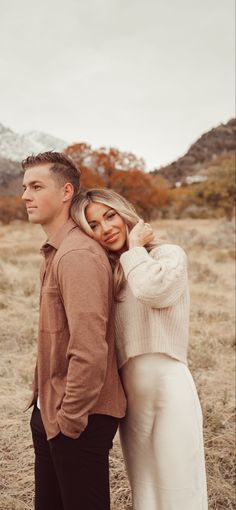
{"x": 149, "y": 76}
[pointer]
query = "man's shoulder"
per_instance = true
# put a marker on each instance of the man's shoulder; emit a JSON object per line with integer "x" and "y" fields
{"x": 76, "y": 240}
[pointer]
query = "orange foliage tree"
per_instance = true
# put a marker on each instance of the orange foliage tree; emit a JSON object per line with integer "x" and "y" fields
{"x": 137, "y": 187}
{"x": 214, "y": 197}
{"x": 121, "y": 171}
{"x": 12, "y": 208}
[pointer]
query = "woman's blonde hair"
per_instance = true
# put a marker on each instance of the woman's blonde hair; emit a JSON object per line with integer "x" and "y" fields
{"x": 125, "y": 210}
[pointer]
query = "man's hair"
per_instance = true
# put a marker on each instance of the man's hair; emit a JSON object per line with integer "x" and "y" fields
{"x": 62, "y": 167}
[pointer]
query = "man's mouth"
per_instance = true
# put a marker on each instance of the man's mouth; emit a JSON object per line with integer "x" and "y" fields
{"x": 29, "y": 208}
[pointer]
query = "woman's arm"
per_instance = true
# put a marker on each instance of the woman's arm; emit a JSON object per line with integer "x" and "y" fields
{"x": 157, "y": 279}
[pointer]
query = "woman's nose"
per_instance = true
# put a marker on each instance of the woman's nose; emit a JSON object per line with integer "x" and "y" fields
{"x": 106, "y": 227}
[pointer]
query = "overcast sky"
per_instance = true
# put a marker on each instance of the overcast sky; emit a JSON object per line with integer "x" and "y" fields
{"x": 149, "y": 76}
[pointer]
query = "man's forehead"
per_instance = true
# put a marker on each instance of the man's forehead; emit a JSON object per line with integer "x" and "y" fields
{"x": 37, "y": 172}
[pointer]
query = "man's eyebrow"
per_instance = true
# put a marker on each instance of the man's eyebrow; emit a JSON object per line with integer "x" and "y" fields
{"x": 32, "y": 183}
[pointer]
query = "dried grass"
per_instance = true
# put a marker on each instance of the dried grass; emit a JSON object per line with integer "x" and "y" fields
{"x": 210, "y": 248}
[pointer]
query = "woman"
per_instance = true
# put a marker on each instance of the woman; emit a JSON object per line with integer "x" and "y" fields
{"x": 161, "y": 435}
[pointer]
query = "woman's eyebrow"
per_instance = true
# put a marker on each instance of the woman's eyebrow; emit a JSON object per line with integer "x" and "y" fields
{"x": 109, "y": 210}
{"x": 104, "y": 215}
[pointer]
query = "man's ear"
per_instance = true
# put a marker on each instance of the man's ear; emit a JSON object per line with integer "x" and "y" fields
{"x": 68, "y": 191}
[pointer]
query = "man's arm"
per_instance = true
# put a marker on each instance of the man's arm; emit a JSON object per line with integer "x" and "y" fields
{"x": 84, "y": 286}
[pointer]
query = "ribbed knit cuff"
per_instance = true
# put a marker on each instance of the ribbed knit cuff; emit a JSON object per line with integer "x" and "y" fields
{"x": 132, "y": 258}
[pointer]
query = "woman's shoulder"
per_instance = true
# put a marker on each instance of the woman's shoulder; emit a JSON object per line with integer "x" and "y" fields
{"x": 167, "y": 250}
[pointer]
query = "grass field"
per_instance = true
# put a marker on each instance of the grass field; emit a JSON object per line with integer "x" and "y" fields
{"x": 210, "y": 248}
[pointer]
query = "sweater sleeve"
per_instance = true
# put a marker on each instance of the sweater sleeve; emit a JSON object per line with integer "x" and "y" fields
{"x": 157, "y": 279}
{"x": 84, "y": 286}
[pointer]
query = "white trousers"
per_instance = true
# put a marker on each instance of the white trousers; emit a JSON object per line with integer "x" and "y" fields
{"x": 161, "y": 436}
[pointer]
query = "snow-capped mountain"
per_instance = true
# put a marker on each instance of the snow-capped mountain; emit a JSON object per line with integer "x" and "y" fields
{"x": 15, "y": 146}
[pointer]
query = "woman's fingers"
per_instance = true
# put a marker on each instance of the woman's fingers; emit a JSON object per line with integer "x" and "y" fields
{"x": 141, "y": 234}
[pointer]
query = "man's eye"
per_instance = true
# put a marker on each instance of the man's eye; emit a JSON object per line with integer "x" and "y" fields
{"x": 36, "y": 186}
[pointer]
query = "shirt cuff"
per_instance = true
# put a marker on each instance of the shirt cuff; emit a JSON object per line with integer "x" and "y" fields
{"x": 132, "y": 258}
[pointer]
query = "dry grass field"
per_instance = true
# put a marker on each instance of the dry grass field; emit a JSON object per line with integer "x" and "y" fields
{"x": 210, "y": 248}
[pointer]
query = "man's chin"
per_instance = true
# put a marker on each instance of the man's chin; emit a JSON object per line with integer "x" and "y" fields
{"x": 33, "y": 219}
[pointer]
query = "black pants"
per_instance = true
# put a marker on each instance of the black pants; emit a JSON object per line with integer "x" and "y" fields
{"x": 73, "y": 474}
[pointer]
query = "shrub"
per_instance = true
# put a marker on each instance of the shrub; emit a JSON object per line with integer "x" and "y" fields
{"x": 12, "y": 208}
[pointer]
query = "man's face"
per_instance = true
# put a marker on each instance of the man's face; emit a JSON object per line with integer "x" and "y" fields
{"x": 42, "y": 194}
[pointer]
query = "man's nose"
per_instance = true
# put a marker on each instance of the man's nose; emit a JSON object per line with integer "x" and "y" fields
{"x": 25, "y": 195}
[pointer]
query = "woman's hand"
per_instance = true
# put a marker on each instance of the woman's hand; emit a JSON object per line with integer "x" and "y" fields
{"x": 140, "y": 235}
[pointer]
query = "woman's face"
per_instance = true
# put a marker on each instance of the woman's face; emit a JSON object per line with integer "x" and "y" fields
{"x": 108, "y": 227}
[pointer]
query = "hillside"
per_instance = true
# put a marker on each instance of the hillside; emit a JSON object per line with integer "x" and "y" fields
{"x": 218, "y": 142}
{"x": 9, "y": 171}
{"x": 208, "y": 167}
{"x": 13, "y": 148}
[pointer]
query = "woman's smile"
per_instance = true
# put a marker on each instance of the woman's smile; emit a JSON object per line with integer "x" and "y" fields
{"x": 111, "y": 238}
{"x": 109, "y": 229}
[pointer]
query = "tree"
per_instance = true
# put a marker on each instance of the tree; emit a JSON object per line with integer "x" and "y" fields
{"x": 123, "y": 172}
{"x": 137, "y": 187}
{"x": 12, "y": 208}
{"x": 219, "y": 191}
{"x": 103, "y": 161}
{"x": 216, "y": 195}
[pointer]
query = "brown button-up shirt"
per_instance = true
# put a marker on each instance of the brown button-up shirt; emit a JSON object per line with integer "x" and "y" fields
{"x": 76, "y": 372}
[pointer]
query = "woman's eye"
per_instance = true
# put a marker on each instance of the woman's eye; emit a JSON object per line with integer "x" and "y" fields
{"x": 37, "y": 187}
{"x": 111, "y": 215}
{"x": 93, "y": 226}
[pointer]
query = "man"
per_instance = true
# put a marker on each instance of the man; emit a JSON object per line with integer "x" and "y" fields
{"x": 77, "y": 395}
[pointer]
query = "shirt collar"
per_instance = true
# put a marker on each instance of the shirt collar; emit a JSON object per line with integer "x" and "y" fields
{"x": 56, "y": 239}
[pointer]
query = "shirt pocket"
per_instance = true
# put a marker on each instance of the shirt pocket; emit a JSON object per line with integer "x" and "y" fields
{"x": 52, "y": 313}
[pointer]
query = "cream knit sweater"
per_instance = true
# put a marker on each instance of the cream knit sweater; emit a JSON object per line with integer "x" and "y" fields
{"x": 153, "y": 315}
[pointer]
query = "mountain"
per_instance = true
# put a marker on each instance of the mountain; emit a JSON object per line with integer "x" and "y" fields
{"x": 194, "y": 165}
{"x": 15, "y": 146}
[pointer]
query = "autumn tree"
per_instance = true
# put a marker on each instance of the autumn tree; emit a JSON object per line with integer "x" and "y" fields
{"x": 121, "y": 171}
{"x": 12, "y": 208}
{"x": 219, "y": 191}
{"x": 137, "y": 187}
{"x": 159, "y": 181}
{"x": 103, "y": 162}
{"x": 82, "y": 154}
{"x": 215, "y": 196}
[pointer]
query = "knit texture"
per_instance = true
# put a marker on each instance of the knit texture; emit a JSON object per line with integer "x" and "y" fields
{"x": 153, "y": 314}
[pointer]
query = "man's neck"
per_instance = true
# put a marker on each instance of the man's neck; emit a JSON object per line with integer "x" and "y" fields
{"x": 52, "y": 228}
